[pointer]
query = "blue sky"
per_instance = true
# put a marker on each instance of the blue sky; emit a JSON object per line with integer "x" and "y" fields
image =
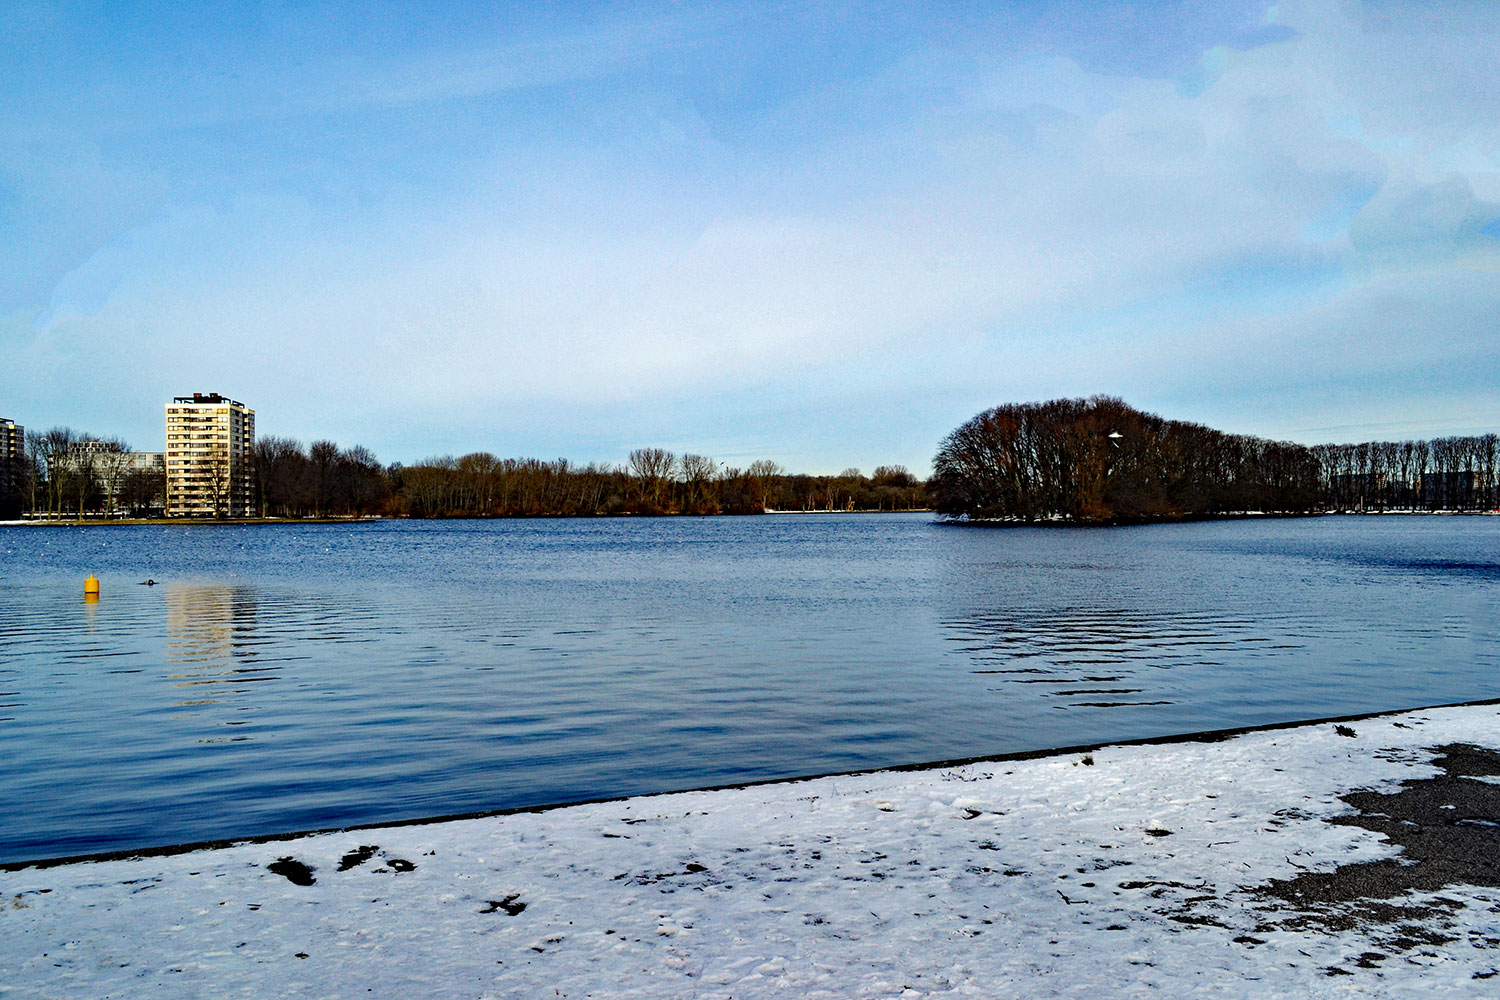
{"x": 823, "y": 234}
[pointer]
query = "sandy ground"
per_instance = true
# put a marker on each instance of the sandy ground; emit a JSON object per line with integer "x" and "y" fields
{"x": 1360, "y": 859}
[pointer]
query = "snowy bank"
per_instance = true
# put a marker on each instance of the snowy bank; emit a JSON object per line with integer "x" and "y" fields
{"x": 1356, "y": 859}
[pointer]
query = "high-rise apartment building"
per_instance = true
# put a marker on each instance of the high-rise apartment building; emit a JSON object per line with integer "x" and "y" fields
{"x": 12, "y": 440}
{"x": 209, "y": 440}
{"x": 12, "y": 464}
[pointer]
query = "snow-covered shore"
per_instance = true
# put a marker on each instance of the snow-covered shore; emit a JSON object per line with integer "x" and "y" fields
{"x": 1184, "y": 869}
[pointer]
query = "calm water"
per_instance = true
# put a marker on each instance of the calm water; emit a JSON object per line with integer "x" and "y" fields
{"x": 292, "y": 677}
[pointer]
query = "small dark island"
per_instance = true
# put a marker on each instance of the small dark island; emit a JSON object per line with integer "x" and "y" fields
{"x": 1099, "y": 461}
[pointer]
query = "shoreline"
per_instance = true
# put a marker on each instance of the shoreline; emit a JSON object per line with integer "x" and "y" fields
{"x": 938, "y": 519}
{"x": 256, "y": 521}
{"x": 1060, "y": 522}
{"x": 1289, "y": 860}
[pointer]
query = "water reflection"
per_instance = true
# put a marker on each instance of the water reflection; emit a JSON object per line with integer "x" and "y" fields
{"x": 1097, "y": 657}
{"x": 212, "y": 639}
{"x": 426, "y": 668}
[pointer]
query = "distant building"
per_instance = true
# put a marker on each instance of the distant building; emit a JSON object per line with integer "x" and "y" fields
{"x": 94, "y": 455}
{"x": 143, "y": 487}
{"x": 12, "y": 466}
{"x": 1453, "y": 490}
{"x": 147, "y": 461}
{"x": 12, "y": 439}
{"x": 113, "y": 470}
{"x": 209, "y": 441}
{"x": 84, "y": 456}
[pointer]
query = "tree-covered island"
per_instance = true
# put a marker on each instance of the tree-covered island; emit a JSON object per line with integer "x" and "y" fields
{"x": 1100, "y": 461}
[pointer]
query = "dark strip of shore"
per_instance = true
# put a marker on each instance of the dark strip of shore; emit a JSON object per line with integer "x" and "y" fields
{"x": 186, "y": 522}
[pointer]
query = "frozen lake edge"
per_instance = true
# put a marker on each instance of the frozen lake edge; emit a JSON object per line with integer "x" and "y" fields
{"x": 1245, "y": 863}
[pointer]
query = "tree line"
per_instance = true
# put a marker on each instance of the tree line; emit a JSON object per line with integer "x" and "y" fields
{"x": 1447, "y": 473}
{"x": 66, "y": 473}
{"x": 1094, "y": 460}
{"x": 1098, "y": 460}
{"x": 321, "y": 480}
{"x": 651, "y": 481}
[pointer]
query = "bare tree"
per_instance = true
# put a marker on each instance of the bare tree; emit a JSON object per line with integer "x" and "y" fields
{"x": 144, "y": 491}
{"x": 33, "y": 477}
{"x": 280, "y": 466}
{"x": 367, "y": 487}
{"x": 322, "y": 458}
{"x": 112, "y": 464}
{"x": 698, "y": 473}
{"x": 763, "y": 473}
{"x": 478, "y": 483}
{"x": 215, "y": 474}
{"x": 53, "y": 447}
{"x": 652, "y": 470}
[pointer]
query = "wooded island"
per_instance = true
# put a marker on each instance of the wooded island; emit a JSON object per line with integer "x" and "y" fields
{"x": 1100, "y": 461}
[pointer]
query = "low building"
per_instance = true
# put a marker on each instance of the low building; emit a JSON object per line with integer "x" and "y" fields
{"x": 87, "y": 457}
{"x": 1454, "y": 490}
{"x": 210, "y": 438}
{"x": 147, "y": 461}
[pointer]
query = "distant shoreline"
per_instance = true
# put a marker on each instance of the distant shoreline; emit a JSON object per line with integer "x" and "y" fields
{"x": 951, "y": 522}
{"x": 137, "y": 522}
{"x": 1059, "y": 522}
{"x": 95, "y": 522}
{"x": 1124, "y": 522}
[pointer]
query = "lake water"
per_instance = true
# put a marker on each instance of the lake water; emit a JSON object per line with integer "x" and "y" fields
{"x": 288, "y": 677}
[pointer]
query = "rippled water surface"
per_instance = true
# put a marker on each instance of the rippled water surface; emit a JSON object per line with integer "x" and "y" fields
{"x": 286, "y": 677}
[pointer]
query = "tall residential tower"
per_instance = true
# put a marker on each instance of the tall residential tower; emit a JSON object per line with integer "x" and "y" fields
{"x": 209, "y": 442}
{"x": 12, "y": 466}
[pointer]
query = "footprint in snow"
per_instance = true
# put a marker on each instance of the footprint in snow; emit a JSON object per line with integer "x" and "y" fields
{"x": 511, "y": 904}
{"x": 357, "y": 857}
{"x": 292, "y": 870}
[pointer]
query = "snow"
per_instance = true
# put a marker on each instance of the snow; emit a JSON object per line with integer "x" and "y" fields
{"x": 1133, "y": 875}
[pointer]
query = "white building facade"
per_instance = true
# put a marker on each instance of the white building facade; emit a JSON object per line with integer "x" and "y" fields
{"x": 209, "y": 466}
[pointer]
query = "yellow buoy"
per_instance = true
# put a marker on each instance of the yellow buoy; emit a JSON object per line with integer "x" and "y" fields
{"x": 91, "y": 585}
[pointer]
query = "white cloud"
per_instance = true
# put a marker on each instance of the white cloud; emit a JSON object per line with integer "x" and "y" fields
{"x": 1039, "y": 229}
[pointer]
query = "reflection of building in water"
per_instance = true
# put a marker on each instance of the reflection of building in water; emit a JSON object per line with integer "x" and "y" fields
{"x": 211, "y": 640}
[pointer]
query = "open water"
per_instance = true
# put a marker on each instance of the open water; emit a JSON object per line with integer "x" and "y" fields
{"x": 288, "y": 677}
